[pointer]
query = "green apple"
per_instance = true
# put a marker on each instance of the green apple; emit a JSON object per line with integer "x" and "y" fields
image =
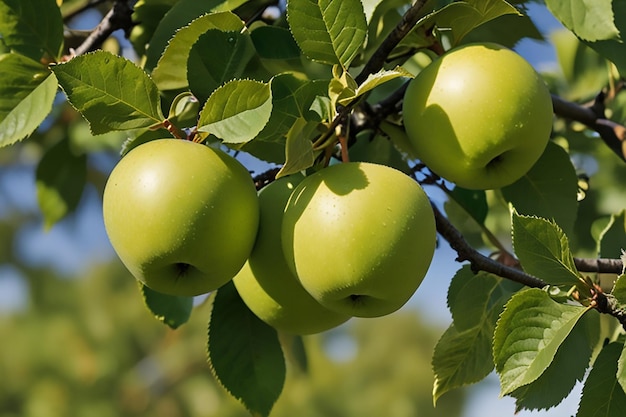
{"x": 479, "y": 116}
{"x": 267, "y": 285}
{"x": 360, "y": 237}
{"x": 181, "y": 216}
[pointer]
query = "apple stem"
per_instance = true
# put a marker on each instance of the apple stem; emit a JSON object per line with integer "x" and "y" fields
{"x": 343, "y": 142}
{"x": 174, "y": 130}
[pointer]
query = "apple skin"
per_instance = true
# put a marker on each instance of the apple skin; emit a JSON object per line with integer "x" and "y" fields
{"x": 479, "y": 116}
{"x": 267, "y": 285}
{"x": 181, "y": 216}
{"x": 360, "y": 237}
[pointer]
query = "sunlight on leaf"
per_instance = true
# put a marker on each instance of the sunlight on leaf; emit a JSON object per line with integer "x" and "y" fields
{"x": 171, "y": 70}
{"x": 543, "y": 250}
{"x": 111, "y": 92}
{"x": 27, "y": 92}
{"x": 528, "y": 334}
{"x": 329, "y": 31}
{"x": 237, "y": 111}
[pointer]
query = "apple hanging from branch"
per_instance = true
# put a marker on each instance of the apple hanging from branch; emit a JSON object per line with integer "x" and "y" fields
{"x": 479, "y": 116}
{"x": 181, "y": 216}
{"x": 267, "y": 285}
{"x": 360, "y": 237}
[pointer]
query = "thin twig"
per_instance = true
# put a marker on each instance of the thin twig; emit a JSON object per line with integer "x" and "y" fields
{"x": 478, "y": 261}
{"x": 376, "y": 62}
{"x": 119, "y": 17}
{"x": 600, "y": 265}
{"x": 604, "y": 303}
{"x": 378, "y": 58}
{"x": 612, "y": 133}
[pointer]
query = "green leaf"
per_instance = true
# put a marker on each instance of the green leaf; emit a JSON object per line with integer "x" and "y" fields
{"x": 506, "y": 30}
{"x": 237, "y": 111}
{"x": 589, "y": 20}
{"x": 397, "y": 135}
{"x": 614, "y": 51}
{"x": 168, "y": 309}
{"x": 463, "y": 355}
{"x": 583, "y": 68}
{"x": 474, "y": 202}
{"x": 60, "y": 180}
{"x": 206, "y": 73}
{"x": 528, "y": 334}
{"x": 295, "y": 351}
{"x": 619, "y": 290}
{"x": 603, "y": 396}
{"x": 170, "y": 72}
{"x": 382, "y": 17}
{"x": 180, "y": 15}
{"x": 146, "y": 17}
{"x": 272, "y": 42}
{"x": 543, "y": 250}
{"x": 377, "y": 149}
{"x": 111, "y": 92}
{"x": 342, "y": 87}
{"x": 141, "y": 136}
{"x": 621, "y": 368}
{"x": 329, "y": 31}
{"x": 33, "y": 28}
{"x": 184, "y": 110}
{"x": 601, "y": 25}
{"x": 374, "y": 80}
{"x": 467, "y": 210}
{"x": 27, "y": 91}
{"x": 245, "y": 353}
{"x": 299, "y": 153}
{"x": 490, "y": 9}
{"x": 457, "y": 19}
{"x": 612, "y": 239}
{"x": 292, "y": 98}
{"x": 474, "y": 297}
{"x": 549, "y": 190}
{"x": 567, "y": 368}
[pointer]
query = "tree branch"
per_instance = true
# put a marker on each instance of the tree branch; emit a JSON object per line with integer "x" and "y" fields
{"x": 604, "y": 303}
{"x": 377, "y": 60}
{"x": 608, "y": 304}
{"x": 600, "y": 265}
{"x": 612, "y": 133}
{"x": 478, "y": 261}
{"x": 119, "y": 17}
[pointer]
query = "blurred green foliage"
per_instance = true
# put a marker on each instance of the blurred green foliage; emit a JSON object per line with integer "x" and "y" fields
{"x": 87, "y": 346}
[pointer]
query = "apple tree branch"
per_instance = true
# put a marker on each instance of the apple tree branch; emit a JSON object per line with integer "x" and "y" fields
{"x": 613, "y": 134}
{"x": 603, "y": 302}
{"x": 119, "y": 17}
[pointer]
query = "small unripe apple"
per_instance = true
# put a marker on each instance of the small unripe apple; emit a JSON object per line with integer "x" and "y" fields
{"x": 181, "y": 216}
{"x": 479, "y": 116}
{"x": 267, "y": 285}
{"x": 360, "y": 237}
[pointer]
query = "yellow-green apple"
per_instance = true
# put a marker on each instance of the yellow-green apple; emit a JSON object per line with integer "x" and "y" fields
{"x": 181, "y": 216}
{"x": 360, "y": 237}
{"x": 267, "y": 285}
{"x": 479, "y": 116}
